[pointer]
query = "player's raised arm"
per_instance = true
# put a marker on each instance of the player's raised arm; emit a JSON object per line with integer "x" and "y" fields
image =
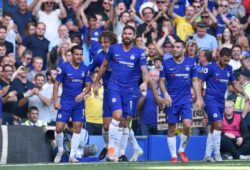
{"x": 101, "y": 71}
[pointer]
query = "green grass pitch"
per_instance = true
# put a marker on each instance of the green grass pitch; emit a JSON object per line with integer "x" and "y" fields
{"x": 162, "y": 165}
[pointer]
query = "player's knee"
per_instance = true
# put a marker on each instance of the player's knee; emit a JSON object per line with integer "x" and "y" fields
{"x": 106, "y": 127}
{"x": 117, "y": 117}
{"x": 171, "y": 128}
{"x": 59, "y": 130}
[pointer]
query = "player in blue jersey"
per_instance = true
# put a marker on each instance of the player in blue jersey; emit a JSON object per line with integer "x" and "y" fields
{"x": 217, "y": 75}
{"x": 180, "y": 73}
{"x": 74, "y": 77}
{"x": 106, "y": 39}
{"x": 124, "y": 59}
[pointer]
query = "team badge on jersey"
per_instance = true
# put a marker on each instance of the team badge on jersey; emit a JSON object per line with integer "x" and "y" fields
{"x": 228, "y": 75}
{"x": 113, "y": 100}
{"x": 187, "y": 68}
{"x": 83, "y": 74}
{"x": 59, "y": 70}
{"x": 204, "y": 70}
{"x": 132, "y": 57}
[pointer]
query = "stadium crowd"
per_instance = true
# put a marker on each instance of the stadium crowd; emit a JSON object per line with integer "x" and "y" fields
{"x": 37, "y": 36}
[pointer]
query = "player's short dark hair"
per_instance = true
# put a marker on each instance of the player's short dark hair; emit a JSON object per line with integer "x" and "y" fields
{"x": 112, "y": 37}
{"x": 208, "y": 54}
{"x": 129, "y": 27}
{"x": 76, "y": 47}
{"x": 33, "y": 108}
{"x": 39, "y": 75}
{"x": 181, "y": 42}
{"x": 225, "y": 52}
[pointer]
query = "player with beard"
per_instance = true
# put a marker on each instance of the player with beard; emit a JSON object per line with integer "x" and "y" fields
{"x": 74, "y": 77}
{"x": 180, "y": 73}
{"x": 124, "y": 60}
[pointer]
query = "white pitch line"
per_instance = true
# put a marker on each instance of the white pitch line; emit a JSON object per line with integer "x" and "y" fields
{"x": 195, "y": 168}
{"x": 4, "y": 154}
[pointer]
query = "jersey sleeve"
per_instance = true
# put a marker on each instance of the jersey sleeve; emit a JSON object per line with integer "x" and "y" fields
{"x": 60, "y": 72}
{"x": 142, "y": 58}
{"x": 87, "y": 78}
{"x": 232, "y": 75}
{"x": 194, "y": 70}
{"x": 93, "y": 65}
{"x": 163, "y": 70}
{"x": 205, "y": 73}
{"x": 109, "y": 53}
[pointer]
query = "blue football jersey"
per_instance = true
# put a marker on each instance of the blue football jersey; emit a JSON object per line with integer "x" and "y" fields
{"x": 73, "y": 80}
{"x": 179, "y": 79}
{"x": 217, "y": 81}
{"x": 125, "y": 67}
{"x": 97, "y": 62}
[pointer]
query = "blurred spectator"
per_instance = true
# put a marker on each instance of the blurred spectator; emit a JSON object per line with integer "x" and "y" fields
{"x": 25, "y": 59}
{"x": 9, "y": 46}
{"x": 48, "y": 86}
{"x": 148, "y": 26}
{"x": 9, "y": 5}
{"x": 120, "y": 23}
{"x": 226, "y": 39}
{"x": 147, "y": 108}
{"x": 241, "y": 106}
{"x": 184, "y": 26}
{"x": 12, "y": 34}
{"x": 161, "y": 14}
{"x": 42, "y": 98}
{"x": 37, "y": 43}
{"x": 94, "y": 119}
{"x": 235, "y": 59}
{"x": 33, "y": 115}
{"x": 235, "y": 138}
{"x": 236, "y": 9}
{"x": 3, "y": 49}
{"x": 58, "y": 54}
{"x": 37, "y": 64}
{"x": 204, "y": 40}
{"x": 223, "y": 17}
{"x": 22, "y": 16}
{"x": 30, "y": 29}
{"x": 24, "y": 88}
{"x": 10, "y": 98}
{"x": 210, "y": 20}
{"x": 46, "y": 13}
